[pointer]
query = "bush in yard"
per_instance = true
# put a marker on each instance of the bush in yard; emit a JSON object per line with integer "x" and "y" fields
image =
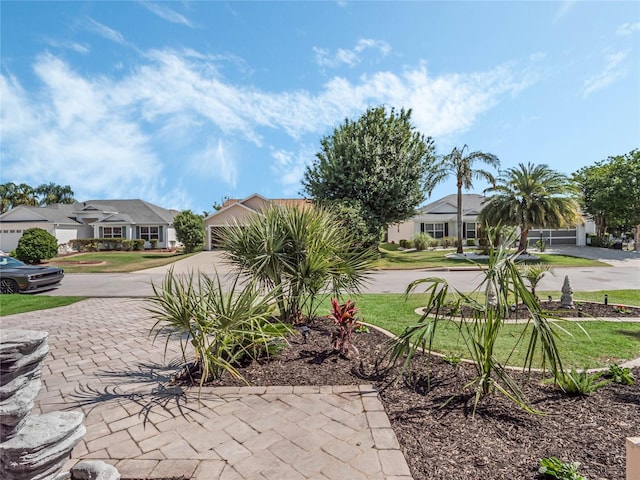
{"x": 304, "y": 254}
{"x": 480, "y": 326}
{"x": 139, "y": 244}
{"x": 471, "y": 242}
{"x": 448, "y": 242}
{"x": 421, "y": 241}
{"x": 189, "y": 229}
{"x": 344, "y": 318}
{"x": 36, "y": 245}
{"x": 154, "y": 243}
{"x": 217, "y": 326}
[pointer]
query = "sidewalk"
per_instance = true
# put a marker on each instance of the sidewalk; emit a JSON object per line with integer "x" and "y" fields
{"x": 102, "y": 362}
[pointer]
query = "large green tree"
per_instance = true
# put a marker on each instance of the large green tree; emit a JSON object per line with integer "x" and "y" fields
{"x": 460, "y": 163}
{"x": 380, "y": 161}
{"x": 531, "y": 196}
{"x": 189, "y": 229}
{"x": 610, "y": 192}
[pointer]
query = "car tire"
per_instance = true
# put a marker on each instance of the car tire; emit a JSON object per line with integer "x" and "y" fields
{"x": 8, "y": 286}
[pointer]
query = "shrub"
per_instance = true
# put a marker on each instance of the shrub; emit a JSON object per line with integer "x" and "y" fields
{"x": 555, "y": 468}
{"x": 421, "y": 241}
{"x": 619, "y": 374}
{"x": 344, "y": 318}
{"x": 471, "y": 242}
{"x": 579, "y": 382}
{"x": 224, "y": 325}
{"x": 603, "y": 242}
{"x": 403, "y": 243}
{"x": 154, "y": 243}
{"x": 303, "y": 253}
{"x": 480, "y": 326}
{"x": 541, "y": 245}
{"x": 190, "y": 230}
{"x": 448, "y": 242}
{"x": 139, "y": 244}
{"x": 36, "y": 245}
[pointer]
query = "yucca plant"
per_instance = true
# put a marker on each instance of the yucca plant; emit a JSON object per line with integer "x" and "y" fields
{"x": 217, "y": 326}
{"x": 344, "y": 318}
{"x": 304, "y": 254}
{"x": 580, "y": 382}
{"x": 480, "y": 324}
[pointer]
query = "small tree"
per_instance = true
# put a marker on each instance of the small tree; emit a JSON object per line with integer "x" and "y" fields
{"x": 36, "y": 245}
{"x": 189, "y": 229}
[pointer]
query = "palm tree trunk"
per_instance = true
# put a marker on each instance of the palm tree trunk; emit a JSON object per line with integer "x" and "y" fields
{"x": 524, "y": 239}
{"x": 460, "y": 249}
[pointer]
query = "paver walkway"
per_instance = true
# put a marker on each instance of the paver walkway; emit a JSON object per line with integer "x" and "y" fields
{"x": 102, "y": 361}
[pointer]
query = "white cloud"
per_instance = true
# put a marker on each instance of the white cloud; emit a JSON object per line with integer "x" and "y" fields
{"x": 104, "y": 31}
{"x": 120, "y": 134}
{"x": 349, "y": 57}
{"x": 628, "y": 28}
{"x": 290, "y": 167}
{"x": 75, "y": 46}
{"x": 167, "y": 14}
{"x": 215, "y": 162}
{"x": 613, "y": 70}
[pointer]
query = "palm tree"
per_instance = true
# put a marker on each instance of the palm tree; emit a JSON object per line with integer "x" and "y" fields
{"x": 531, "y": 196}
{"x": 50, "y": 194}
{"x": 461, "y": 165}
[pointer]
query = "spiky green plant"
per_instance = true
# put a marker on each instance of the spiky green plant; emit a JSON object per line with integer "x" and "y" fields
{"x": 304, "y": 254}
{"x": 217, "y": 324}
{"x": 534, "y": 274}
{"x": 480, "y": 325}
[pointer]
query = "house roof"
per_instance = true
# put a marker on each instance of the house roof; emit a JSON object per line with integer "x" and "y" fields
{"x": 245, "y": 203}
{"x": 472, "y": 204}
{"x": 121, "y": 211}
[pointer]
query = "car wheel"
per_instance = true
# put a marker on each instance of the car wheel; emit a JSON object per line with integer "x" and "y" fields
{"x": 8, "y": 286}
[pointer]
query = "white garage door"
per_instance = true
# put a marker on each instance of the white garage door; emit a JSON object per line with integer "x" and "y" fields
{"x": 9, "y": 239}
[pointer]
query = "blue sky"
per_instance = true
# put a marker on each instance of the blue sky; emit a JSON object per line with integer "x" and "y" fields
{"x": 183, "y": 103}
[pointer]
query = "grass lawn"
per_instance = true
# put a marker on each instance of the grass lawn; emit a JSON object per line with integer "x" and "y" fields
{"x": 394, "y": 259}
{"x": 111, "y": 262}
{"x": 606, "y": 342}
{"x": 11, "y": 304}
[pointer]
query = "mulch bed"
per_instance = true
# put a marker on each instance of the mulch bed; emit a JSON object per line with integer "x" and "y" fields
{"x": 501, "y": 441}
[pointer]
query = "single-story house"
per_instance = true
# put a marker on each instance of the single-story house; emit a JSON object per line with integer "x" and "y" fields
{"x": 237, "y": 211}
{"x": 130, "y": 219}
{"x": 439, "y": 219}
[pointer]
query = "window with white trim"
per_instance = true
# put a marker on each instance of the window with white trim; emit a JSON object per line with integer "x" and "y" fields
{"x": 471, "y": 230}
{"x": 112, "y": 232}
{"x": 436, "y": 230}
{"x": 149, "y": 233}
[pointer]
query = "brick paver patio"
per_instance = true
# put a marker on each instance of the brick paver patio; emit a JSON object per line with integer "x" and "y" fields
{"x": 103, "y": 362}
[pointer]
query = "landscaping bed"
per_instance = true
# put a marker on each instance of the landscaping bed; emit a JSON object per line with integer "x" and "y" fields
{"x": 502, "y": 441}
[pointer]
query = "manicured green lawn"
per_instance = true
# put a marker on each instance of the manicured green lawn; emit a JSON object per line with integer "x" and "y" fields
{"x": 605, "y": 343}
{"x": 11, "y": 304}
{"x": 96, "y": 262}
{"x": 393, "y": 259}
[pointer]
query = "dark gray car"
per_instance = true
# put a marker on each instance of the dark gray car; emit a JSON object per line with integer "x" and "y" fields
{"x": 18, "y": 277}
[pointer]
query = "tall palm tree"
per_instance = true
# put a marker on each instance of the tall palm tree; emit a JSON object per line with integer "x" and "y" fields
{"x": 531, "y": 196}
{"x": 50, "y": 194}
{"x": 461, "y": 165}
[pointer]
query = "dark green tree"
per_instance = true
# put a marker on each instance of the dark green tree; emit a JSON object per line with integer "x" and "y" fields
{"x": 50, "y": 194}
{"x": 7, "y": 194}
{"x": 189, "y": 229}
{"x": 36, "y": 245}
{"x": 351, "y": 217}
{"x": 531, "y": 196}
{"x": 462, "y": 167}
{"x": 379, "y": 161}
{"x": 610, "y": 192}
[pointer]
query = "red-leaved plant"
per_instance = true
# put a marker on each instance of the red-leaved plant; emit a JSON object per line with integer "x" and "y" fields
{"x": 344, "y": 318}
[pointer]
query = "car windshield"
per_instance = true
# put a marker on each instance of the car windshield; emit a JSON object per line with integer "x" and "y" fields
{"x": 10, "y": 262}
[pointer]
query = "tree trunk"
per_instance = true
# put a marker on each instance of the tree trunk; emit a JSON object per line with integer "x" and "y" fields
{"x": 636, "y": 240}
{"x": 459, "y": 249}
{"x": 524, "y": 239}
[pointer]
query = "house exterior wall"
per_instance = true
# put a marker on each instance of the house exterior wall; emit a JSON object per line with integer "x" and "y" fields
{"x": 401, "y": 231}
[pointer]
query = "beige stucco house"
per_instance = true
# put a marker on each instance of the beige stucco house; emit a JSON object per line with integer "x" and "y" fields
{"x": 439, "y": 219}
{"x": 237, "y": 211}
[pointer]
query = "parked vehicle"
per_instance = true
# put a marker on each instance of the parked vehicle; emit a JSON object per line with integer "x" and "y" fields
{"x": 18, "y": 277}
